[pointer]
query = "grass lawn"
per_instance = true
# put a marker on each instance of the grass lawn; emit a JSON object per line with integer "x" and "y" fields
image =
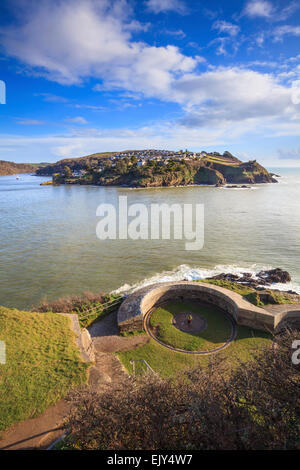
{"x": 220, "y": 160}
{"x": 42, "y": 363}
{"x": 168, "y": 363}
{"x": 217, "y": 332}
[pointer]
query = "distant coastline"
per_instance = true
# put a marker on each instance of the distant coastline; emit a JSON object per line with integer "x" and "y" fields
{"x": 11, "y": 168}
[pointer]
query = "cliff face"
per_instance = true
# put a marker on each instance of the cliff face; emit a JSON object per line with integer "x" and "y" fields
{"x": 244, "y": 173}
{"x": 186, "y": 173}
{"x": 11, "y": 168}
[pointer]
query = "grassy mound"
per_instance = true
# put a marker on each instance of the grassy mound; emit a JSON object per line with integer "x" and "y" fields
{"x": 217, "y": 332}
{"x": 42, "y": 363}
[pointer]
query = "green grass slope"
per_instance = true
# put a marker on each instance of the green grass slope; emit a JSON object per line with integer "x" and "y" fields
{"x": 169, "y": 363}
{"x": 42, "y": 363}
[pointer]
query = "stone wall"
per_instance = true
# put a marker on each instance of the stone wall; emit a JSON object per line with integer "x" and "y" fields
{"x": 82, "y": 337}
{"x": 132, "y": 311}
{"x": 289, "y": 318}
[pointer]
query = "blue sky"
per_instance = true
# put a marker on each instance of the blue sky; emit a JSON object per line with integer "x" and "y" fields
{"x": 85, "y": 76}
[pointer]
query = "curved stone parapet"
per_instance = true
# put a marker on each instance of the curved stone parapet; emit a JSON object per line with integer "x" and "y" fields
{"x": 133, "y": 310}
{"x": 289, "y": 316}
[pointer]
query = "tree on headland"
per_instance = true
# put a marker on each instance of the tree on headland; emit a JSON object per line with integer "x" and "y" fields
{"x": 121, "y": 166}
{"x": 107, "y": 163}
{"x": 67, "y": 172}
{"x": 133, "y": 159}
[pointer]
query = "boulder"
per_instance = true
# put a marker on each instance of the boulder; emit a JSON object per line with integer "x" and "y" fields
{"x": 275, "y": 276}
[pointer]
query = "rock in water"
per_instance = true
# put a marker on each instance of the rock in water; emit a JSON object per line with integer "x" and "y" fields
{"x": 275, "y": 276}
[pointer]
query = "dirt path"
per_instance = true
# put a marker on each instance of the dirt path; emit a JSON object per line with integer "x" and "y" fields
{"x": 39, "y": 433}
{"x": 36, "y": 433}
{"x": 107, "y": 341}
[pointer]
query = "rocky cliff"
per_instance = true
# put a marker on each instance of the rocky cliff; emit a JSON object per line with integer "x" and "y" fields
{"x": 185, "y": 173}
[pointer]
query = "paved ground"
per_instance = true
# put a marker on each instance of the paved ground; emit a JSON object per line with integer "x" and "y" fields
{"x": 106, "y": 338}
{"x": 276, "y": 309}
{"x": 39, "y": 433}
{"x": 198, "y": 324}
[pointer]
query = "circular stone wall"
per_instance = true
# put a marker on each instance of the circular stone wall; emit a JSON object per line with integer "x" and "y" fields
{"x": 200, "y": 344}
{"x": 137, "y": 305}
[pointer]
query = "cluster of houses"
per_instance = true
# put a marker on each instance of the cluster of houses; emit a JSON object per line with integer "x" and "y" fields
{"x": 144, "y": 156}
{"x": 163, "y": 156}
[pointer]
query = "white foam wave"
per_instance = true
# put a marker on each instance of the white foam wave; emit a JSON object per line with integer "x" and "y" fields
{"x": 249, "y": 188}
{"x": 188, "y": 273}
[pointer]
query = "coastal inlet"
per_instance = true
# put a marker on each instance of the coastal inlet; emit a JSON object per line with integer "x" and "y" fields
{"x": 49, "y": 247}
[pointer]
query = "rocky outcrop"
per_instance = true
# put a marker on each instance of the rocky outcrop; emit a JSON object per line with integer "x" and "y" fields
{"x": 244, "y": 173}
{"x": 262, "y": 284}
{"x": 275, "y": 276}
{"x": 209, "y": 176}
{"x": 263, "y": 278}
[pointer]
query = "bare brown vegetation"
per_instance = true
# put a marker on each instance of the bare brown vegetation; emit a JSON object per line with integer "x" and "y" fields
{"x": 74, "y": 303}
{"x": 254, "y": 407}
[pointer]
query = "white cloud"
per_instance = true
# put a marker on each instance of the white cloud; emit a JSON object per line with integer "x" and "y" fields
{"x": 91, "y": 107}
{"x": 77, "y": 120}
{"x": 221, "y": 44}
{"x": 52, "y": 98}
{"x": 177, "y": 33}
{"x": 98, "y": 87}
{"x": 226, "y": 44}
{"x": 226, "y": 27}
{"x": 245, "y": 99}
{"x": 79, "y": 142}
{"x": 213, "y": 128}
{"x": 159, "y": 6}
{"x": 285, "y": 30}
{"x": 30, "y": 122}
{"x": 289, "y": 154}
{"x": 260, "y": 39}
{"x": 259, "y": 8}
{"x": 73, "y": 40}
{"x": 265, "y": 9}
{"x": 287, "y": 11}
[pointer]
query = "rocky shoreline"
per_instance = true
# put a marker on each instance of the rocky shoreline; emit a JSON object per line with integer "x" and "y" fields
{"x": 261, "y": 282}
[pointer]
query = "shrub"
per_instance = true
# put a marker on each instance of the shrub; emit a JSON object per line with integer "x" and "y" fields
{"x": 254, "y": 407}
{"x": 78, "y": 303}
